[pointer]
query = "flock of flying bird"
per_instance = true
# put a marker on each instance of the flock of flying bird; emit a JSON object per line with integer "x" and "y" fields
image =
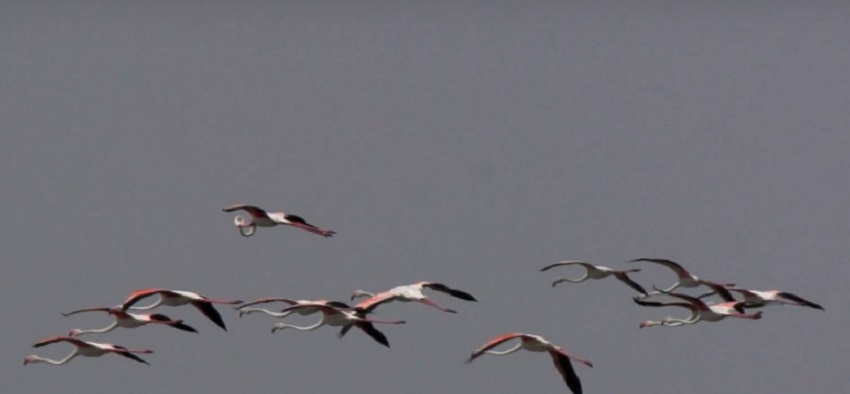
{"x": 341, "y": 314}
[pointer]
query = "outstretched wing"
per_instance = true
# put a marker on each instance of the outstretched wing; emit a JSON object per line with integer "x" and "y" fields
{"x": 656, "y": 304}
{"x": 567, "y": 262}
{"x": 680, "y": 271}
{"x": 49, "y": 340}
{"x": 795, "y": 298}
{"x": 130, "y": 356}
{"x": 452, "y": 292}
{"x": 251, "y": 209}
{"x": 565, "y": 367}
{"x": 139, "y": 295}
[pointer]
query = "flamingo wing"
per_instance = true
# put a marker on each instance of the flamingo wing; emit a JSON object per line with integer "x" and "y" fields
{"x": 720, "y": 289}
{"x": 210, "y": 312}
{"x": 624, "y": 277}
{"x": 565, "y": 367}
{"x": 567, "y": 262}
{"x": 680, "y": 271}
{"x": 373, "y": 332}
{"x": 252, "y": 210}
{"x": 452, "y": 292}
{"x": 496, "y": 341}
{"x": 371, "y": 303}
{"x": 123, "y": 352}
{"x": 655, "y": 304}
{"x": 47, "y": 341}
{"x": 796, "y": 298}
{"x": 139, "y": 295}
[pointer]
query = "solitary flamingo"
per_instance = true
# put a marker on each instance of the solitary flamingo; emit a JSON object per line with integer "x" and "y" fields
{"x": 758, "y": 299}
{"x": 686, "y": 279}
{"x": 700, "y": 311}
{"x": 597, "y": 272}
{"x": 128, "y": 320}
{"x": 333, "y": 316}
{"x": 262, "y": 218}
{"x": 245, "y": 309}
{"x": 85, "y": 349}
{"x": 409, "y": 293}
{"x": 536, "y": 343}
{"x": 179, "y": 298}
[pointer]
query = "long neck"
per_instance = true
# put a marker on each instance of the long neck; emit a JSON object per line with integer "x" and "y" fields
{"x": 263, "y": 310}
{"x": 308, "y": 328}
{"x": 145, "y": 308}
{"x": 99, "y": 330}
{"x": 58, "y": 362}
{"x": 506, "y": 352}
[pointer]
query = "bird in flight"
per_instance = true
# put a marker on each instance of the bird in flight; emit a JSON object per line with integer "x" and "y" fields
{"x": 597, "y": 272}
{"x": 85, "y": 349}
{"x": 535, "y": 343}
{"x": 262, "y": 218}
{"x": 179, "y": 298}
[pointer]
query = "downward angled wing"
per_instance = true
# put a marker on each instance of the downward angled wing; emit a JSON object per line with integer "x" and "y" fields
{"x": 371, "y": 303}
{"x": 373, "y": 332}
{"x": 720, "y": 289}
{"x": 130, "y": 356}
{"x": 623, "y": 277}
{"x": 452, "y": 292}
{"x": 565, "y": 367}
{"x": 210, "y": 312}
{"x": 795, "y": 298}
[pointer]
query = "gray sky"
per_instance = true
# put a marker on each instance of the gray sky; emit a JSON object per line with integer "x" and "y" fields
{"x": 466, "y": 143}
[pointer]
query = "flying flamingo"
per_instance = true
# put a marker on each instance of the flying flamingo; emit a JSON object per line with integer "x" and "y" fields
{"x": 700, "y": 311}
{"x": 536, "y": 343}
{"x": 597, "y": 272}
{"x": 336, "y": 317}
{"x": 179, "y": 298}
{"x": 758, "y": 299}
{"x": 85, "y": 349}
{"x": 128, "y": 320}
{"x": 245, "y": 309}
{"x": 409, "y": 293}
{"x": 686, "y": 279}
{"x": 262, "y": 218}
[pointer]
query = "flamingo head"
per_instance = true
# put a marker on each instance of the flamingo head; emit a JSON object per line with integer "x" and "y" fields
{"x": 649, "y": 323}
{"x": 31, "y": 359}
{"x": 74, "y": 332}
{"x": 279, "y": 326}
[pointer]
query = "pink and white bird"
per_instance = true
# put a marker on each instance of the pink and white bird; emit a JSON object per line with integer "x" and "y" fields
{"x": 85, "y": 349}
{"x": 179, "y": 298}
{"x": 536, "y": 343}
{"x": 758, "y": 298}
{"x": 262, "y": 218}
{"x": 128, "y": 320}
{"x": 246, "y": 308}
{"x": 597, "y": 272}
{"x": 686, "y": 278}
{"x": 700, "y": 311}
{"x": 409, "y": 293}
{"x": 337, "y": 317}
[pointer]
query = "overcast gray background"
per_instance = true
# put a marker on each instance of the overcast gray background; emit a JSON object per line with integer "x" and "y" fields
{"x": 466, "y": 143}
